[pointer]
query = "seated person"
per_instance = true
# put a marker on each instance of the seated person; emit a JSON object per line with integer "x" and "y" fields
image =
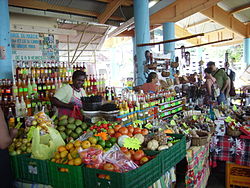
{"x": 151, "y": 85}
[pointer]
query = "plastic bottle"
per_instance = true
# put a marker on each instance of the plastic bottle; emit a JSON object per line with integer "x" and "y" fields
{"x": 14, "y": 89}
{"x": 23, "y": 107}
{"x": 11, "y": 118}
{"x": 30, "y": 88}
{"x": 18, "y": 107}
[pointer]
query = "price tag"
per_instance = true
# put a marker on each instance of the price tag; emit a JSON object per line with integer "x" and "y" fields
{"x": 173, "y": 123}
{"x": 132, "y": 143}
{"x": 195, "y": 117}
{"x": 234, "y": 108}
{"x": 148, "y": 125}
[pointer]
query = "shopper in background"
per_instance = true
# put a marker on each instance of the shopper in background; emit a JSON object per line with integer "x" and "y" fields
{"x": 209, "y": 85}
{"x": 151, "y": 85}
{"x": 231, "y": 75}
{"x": 69, "y": 96}
{"x": 6, "y": 137}
{"x": 222, "y": 80}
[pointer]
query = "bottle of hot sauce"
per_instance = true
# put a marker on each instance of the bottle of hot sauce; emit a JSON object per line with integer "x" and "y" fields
{"x": 20, "y": 88}
{"x": 25, "y": 88}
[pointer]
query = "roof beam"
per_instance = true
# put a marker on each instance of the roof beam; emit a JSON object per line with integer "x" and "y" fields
{"x": 240, "y": 8}
{"x": 222, "y": 17}
{"x": 109, "y": 10}
{"x": 180, "y": 9}
{"x": 198, "y": 23}
{"x": 124, "y": 3}
{"x": 228, "y": 43}
{"x": 180, "y": 32}
{"x": 35, "y": 4}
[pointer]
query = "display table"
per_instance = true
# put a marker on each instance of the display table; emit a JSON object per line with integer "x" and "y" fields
{"x": 232, "y": 149}
{"x": 198, "y": 170}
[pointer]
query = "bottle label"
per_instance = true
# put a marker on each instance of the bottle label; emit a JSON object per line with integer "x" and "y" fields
{"x": 25, "y": 89}
{"x": 35, "y": 89}
{"x": 8, "y": 91}
{"x": 48, "y": 102}
{"x": 11, "y": 120}
{"x": 39, "y": 88}
{"x": 28, "y": 105}
{"x": 43, "y": 102}
{"x": 48, "y": 87}
{"x": 44, "y": 87}
{"x": 50, "y": 71}
{"x": 21, "y": 89}
{"x": 53, "y": 87}
{"x": 2, "y": 90}
{"x": 15, "y": 91}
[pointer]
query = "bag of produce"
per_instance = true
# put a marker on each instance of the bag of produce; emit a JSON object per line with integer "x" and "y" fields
{"x": 44, "y": 145}
{"x": 76, "y": 113}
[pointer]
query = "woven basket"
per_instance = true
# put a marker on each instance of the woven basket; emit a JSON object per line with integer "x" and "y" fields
{"x": 231, "y": 132}
{"x": 201, "y": 140}
{"x": 188, "y": 144}
{"x": 212, "y": 130}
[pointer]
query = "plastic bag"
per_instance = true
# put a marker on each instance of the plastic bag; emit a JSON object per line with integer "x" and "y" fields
{"x": 76, "y": 113}
{"x": 39, "y": 119}
{"x": 91, "y": 156}
{"x": 44, "y": 146}
{"x": 115, "y": 156}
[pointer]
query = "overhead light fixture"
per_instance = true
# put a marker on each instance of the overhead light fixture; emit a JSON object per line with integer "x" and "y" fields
{"x": 152, "y": 3}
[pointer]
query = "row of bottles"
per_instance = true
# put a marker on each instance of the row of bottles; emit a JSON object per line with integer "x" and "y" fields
{"x": 94, "y": 84}
{"x": 26, "y": 70}
{"x": 23, "y": 87}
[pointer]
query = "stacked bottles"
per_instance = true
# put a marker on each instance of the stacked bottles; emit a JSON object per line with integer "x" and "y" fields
{"x": 46, "y": 69}
{"x": 95, "y": 85}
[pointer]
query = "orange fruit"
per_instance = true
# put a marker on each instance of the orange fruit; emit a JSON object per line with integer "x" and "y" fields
{"x": 66, "y": 170}
{"x": 57, "y": 155}
{"x": 58, "y": 161}
{"x": 69, "y": 146}
{"x": 53, "y": 160}
{"x": 77, "y": 143}
{"x": 85, "y": 144}
{"x": 61, "y": 148}
{"x": 77, "y": 161}
{"x": 64, "y": 154}
{"x": 72, "y": 149}
{"x": 70, "y": 156}
{"x": 71, "y": 162}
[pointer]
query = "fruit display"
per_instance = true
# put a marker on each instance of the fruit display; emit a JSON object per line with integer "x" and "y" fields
{"x": 21, "y": 144}
{"x": 70, "y": 128}
{"x": 39, "y": 119}
{"x": 68, "y": 154}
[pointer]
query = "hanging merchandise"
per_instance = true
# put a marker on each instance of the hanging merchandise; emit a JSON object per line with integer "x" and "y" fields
{"x": 187, "y": 58}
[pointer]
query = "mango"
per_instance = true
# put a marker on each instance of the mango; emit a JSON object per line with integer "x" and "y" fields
{"x": 78, "y": 122}
{"x": 63, "y": 122}
{"x": 71, "y": 126}
{"x": 71, "y": 120}
{"x": 63, "y": 117}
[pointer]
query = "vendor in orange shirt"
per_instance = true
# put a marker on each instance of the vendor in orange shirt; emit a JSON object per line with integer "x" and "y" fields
{"x": 151, "y": 85}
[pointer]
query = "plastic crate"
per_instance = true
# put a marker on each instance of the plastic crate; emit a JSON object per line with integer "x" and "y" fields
{"x": 73, "y": 178}
{"x": 170, "y": 157}
{"x": 15, "y": 166}
{"x": 237, "y": 175}
{"x": 33, "y": 170}
{"x": 141, "y": 177}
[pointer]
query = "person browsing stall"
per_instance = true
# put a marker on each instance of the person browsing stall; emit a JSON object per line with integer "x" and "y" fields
{"x": 222, "y": 80}
{"x": 70, "y": 95}
{"x": 209, "y": 85}
{"x": 151, "y": 85}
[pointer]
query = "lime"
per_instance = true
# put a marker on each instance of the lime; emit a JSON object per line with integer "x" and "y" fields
{"x": 101, "y": 143}
{"x": 113, "y": 140}
{"x": 108, "y": 144}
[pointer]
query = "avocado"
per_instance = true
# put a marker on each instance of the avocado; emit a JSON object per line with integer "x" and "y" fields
{"x": 84, "y": 126}
{"x": 63, "y": 117}
{"x": 78, "y": 130}
{"x": 63, "y": 122}
{"x": 71, "y": 120}
{"x": 78, "y": 122}
{"x": 68, "y": 131}
{"x": 61, "y": 128}
{"x": 63, "y": 135}
{"x": 71, "y": 126}
{"x": 74, "y": 135}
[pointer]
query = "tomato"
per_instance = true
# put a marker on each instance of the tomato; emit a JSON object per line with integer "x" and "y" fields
{"x": 138, "y": 155}
{"x": 117, "y": 127}
{"x": 111, "y": 131}
{"x": 102, "y": 176}
{"x": 132, "y": 152}
{"x": 130, "y": 134}
{"x": 128, "y": 154}
{"x": 123, "y": 149}
{"x": 144, "y": 132}
{"x": 123, "y": 130}
{"x": 108, "y": 167}
{"x": 137, "y": 131}
{"x": 117, "y": 135}
{"x": 130, "y": 129}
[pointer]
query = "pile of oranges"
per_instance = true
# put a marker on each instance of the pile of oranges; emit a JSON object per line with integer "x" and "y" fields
{"x": 69, "y": 154}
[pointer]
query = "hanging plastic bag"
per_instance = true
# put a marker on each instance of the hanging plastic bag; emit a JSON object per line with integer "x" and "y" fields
{"x": 44, "y": 146}
{"x": 76, "y": 113}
